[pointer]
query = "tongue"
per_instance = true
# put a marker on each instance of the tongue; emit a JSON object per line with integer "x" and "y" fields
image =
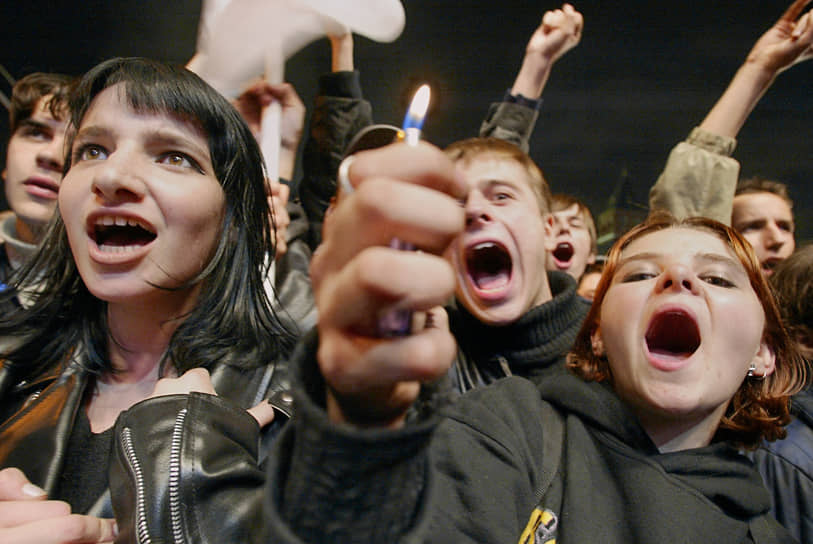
{"x": 490, "y": 281}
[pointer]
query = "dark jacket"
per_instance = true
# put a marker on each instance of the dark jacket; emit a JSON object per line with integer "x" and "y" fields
{"x": 532, "y": 347}
{"x": 787, "y": 468}
{"x": 479, "y": 476}
{"x": 339, "y": 113}
{"x": 292, "y": 296}
{"x": 35, "y": 436}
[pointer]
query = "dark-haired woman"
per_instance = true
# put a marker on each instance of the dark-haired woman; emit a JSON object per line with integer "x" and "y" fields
{"x": 152, "y": 270}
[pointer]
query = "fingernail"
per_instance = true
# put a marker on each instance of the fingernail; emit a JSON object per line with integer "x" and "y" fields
{"x": 33, "y": 491}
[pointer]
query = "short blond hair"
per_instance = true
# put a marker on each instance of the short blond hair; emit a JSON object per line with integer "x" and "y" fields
{"x": 472, "y": 148}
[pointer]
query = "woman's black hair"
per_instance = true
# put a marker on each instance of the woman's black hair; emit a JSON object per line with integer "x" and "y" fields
{"x": 232, "y": 322}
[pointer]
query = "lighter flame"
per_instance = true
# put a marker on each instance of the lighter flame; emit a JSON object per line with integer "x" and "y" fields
{"x": 420, "y": 103}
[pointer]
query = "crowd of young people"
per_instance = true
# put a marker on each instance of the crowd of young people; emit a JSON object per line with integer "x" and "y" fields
{"x": 148, "y": 364}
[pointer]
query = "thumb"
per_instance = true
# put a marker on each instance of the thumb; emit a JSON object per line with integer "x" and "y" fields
{"x": 15, "y": 486}
{"x": 263, "y": 413}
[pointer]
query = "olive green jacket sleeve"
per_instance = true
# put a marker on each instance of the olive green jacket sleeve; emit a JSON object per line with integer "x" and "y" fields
{"x": 699, "y": 178}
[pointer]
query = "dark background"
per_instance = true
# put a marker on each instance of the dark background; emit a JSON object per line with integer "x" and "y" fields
{"x": 643, "y": 76}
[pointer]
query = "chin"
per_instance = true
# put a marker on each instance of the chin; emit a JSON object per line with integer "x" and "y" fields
{"x": 493, "y": 315}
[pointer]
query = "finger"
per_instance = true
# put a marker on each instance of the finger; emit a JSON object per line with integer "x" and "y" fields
{"x": 795, "y": 9}
{"x": 14, "y": 513}
{"x": 381, "y": 280}
{"x": 423, "y": 164}
{"x": 194, "y": 380}
{"x": 73, "y": 528}
{"x": 382, "y": 209}
{"x": 281, "y": 217}
{"x": 263, "y": 413}
{"x": 357, "y": 364}
{"x": 15, "y": 486}
{"x": 803, "y": 27}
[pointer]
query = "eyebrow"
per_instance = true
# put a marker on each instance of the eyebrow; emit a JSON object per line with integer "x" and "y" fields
{"x": 703, "y": 257}
{"x": 33, "y": 123}
{"x": 491, "y": 183}
{"x": 160, "y": 137}
{"x": 171, "y": 139}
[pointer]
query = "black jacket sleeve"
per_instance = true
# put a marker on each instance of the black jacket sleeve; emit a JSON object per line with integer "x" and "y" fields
{"x": 469, "y": 477}
{"x": 185, "y": 469}
{"x": 340, "y": 112}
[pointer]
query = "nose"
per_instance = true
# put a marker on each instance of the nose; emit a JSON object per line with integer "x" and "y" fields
{"x": 52, "y": 155}
{"x": 477, "y": 209}
{"x": 677, "y": 277}
{"x": 774, "y": 237}
{"x": 116, "y": 179}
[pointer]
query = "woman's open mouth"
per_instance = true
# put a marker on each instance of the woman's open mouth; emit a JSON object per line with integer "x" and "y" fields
{"x": 672, "y": 336}
{"x": 117, "y": 234}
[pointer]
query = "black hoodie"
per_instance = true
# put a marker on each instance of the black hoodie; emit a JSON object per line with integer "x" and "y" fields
{"x": 478, "y": 476}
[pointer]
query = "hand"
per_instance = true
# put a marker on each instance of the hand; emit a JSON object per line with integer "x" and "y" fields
{"x": 278, "y": 202}
{"x": 198, "y": 380}
{"x": 787, "y": 42}
{"x": 559, "y": 32}
{"x": 27, "y": 517}
{"x": 402, "y": 191}
{"x": 259, "y": 96}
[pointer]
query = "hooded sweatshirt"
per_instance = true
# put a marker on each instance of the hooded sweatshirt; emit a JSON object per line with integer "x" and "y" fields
{"x": 478, "y": 475}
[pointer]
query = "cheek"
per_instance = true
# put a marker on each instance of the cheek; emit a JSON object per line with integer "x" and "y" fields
{"x": 68, "y": 200}
{"x": 204, "y": 222}
{"x": 619, "y": 320}
{"x": 741, "y": 325}
{"x": 754, "y": 238}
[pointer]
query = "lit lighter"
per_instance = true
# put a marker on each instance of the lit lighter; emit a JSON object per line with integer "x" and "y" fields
{"x": 399, "y": 322}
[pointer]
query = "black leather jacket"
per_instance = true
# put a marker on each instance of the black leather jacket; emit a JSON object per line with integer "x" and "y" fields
{"x": 35, "y": 437}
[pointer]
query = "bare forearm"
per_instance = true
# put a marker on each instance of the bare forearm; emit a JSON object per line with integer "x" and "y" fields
{"x": 728, "y": 115}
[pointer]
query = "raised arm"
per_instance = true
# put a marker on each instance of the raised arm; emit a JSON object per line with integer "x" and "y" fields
{"x": 700, "y": 176}
{"x": 514, "y": 118}
{"x": 339, "y": 113}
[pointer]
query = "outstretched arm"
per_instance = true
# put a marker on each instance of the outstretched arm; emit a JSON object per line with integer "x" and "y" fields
{"x": 788, "y": 42}
{"x": 700, "y": 176}
{"x": 559, "y": 32}
{"x": 514, "y": 118}
{"x": 339, "y": 113}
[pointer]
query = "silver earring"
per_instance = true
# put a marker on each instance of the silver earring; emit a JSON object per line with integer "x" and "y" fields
{"x": 751, "y": 370}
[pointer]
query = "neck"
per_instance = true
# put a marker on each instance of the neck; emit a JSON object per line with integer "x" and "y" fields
{"x": 682, "y": 432}
{"x": 30, "y": 234}
{"x": 140, "y": 332}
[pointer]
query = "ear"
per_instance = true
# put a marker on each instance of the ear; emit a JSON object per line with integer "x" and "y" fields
{"x": 592, "y": 258}
{"x": 764, "y": 361}
{"x": 598, "y": 343}
{"x": 550, "y": 244}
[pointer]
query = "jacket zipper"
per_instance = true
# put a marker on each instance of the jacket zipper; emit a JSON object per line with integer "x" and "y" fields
{"x": 175, "y": 478}
{"x": 142, "y": 532}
